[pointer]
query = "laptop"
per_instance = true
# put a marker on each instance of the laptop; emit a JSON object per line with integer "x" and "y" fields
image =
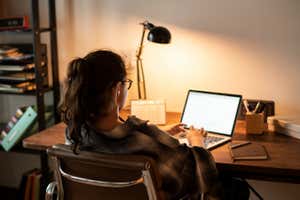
{"x": 215, "y": 112}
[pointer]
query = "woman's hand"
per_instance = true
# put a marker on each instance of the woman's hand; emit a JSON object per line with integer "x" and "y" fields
{"x": 196, "y": 136}
{"x": 176, "y": 129}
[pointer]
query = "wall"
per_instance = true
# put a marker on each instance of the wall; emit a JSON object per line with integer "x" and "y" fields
{"x": 246, "y": 47}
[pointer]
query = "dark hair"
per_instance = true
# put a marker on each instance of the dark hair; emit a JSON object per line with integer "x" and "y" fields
{"x": 88, "y": 89}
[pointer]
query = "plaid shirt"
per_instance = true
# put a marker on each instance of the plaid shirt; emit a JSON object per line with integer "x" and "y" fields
{"x": 184, "y": 170}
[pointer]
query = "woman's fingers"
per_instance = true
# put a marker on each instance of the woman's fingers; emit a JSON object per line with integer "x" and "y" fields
{"x": 201, "y": 131}
{"x": 176, "y": 129}
{"x": 179, "y": 127}
{"x": 204, "y": 133}
{"x": 196, "y": 136}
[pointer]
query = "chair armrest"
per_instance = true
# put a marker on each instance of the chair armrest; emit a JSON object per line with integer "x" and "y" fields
{"x": 51, "y": 191}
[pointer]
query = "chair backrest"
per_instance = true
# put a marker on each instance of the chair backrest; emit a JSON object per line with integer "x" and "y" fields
{"x": 91, "y": 175}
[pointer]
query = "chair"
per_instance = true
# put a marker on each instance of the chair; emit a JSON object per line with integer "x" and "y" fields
{"x": 90, "y": 175}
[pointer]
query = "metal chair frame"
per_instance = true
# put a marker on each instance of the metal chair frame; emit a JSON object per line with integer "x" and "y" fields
{"x": 57, "y": 186}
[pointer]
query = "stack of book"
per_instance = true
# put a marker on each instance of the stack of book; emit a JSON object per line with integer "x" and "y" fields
{"x": 17, "y": 68}
{"x": 30, "y": 185}
{"x": 19, "y": 123}
{"x": 288, "y": 125}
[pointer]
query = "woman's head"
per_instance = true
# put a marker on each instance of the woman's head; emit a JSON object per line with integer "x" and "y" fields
{"x": 94, "y": 85}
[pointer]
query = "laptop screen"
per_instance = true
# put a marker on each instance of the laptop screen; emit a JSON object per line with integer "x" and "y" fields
{"x": 215, "y": 112}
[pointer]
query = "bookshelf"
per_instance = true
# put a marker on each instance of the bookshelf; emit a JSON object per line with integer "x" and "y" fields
{"x": 38, "y": 59}
{"x": 35, "y": 32}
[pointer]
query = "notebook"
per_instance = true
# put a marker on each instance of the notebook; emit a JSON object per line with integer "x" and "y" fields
{"x": 215, "y": 112}
{"x": 250, "y": 151}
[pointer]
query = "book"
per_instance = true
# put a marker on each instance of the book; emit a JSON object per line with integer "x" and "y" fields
{"x": 17, "y": 56}
{"x": 5, "y": 128}
{"x": 17, "y": 77}
{"x": 20, "y": 54}
{"x": 14, "y": 23}
{"x": 23, "y": 183}
{"x": 35, "y": 187}
{"x": 10, "y": 52}
{"x": 249, "y": 151}
{"x": 29, "y": 187}
{"x": 15, "y": 132}
{"x": 14, "y": 119}
{"x": 287, "y": 125}
{"x": 7, "y": 49}
{"x": 3, "y": 134}
{"x": 49, "y": 117}
{"x": 18, "y": 68}
{"x": 18, "y": 88}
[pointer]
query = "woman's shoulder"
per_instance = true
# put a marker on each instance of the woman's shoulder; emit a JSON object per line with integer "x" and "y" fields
{"x": 152, "y": 131}
{"x": 135, "y": 122}
{"x": 121, "y": 131}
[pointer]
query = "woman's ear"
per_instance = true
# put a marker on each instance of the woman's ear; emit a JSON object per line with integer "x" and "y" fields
{"x": 116, "y": 91}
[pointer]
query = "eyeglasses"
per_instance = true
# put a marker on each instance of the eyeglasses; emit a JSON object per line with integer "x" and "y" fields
{"x": 128, "y": 83}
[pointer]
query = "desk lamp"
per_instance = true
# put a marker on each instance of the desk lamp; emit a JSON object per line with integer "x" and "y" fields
{"x": 157, "y": 34}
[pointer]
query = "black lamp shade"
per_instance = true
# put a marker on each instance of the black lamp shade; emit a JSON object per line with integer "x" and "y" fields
{"x": 159, "y": 34}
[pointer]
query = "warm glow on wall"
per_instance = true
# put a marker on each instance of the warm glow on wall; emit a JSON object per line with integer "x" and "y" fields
{"x": 203, "y": 55}
{"x": 193, "y": 60}
{"x": 205, "y": 61}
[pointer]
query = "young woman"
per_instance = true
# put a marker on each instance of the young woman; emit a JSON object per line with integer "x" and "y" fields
{"x": 96, "y": 91}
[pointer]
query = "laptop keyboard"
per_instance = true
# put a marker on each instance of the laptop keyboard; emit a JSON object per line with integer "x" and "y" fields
{"x": 211, "y": 139}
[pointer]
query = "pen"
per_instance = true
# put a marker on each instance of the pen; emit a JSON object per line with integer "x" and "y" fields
{"x": 245, "y": 102}
{"x": 256, "y": 107}
{"x": 231, "y": 155}
{"x": 261, "y": 108}
{"x": 239, "y": 144}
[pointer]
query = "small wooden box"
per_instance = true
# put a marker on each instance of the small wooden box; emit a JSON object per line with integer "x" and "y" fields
{"x": 254, "y": 123}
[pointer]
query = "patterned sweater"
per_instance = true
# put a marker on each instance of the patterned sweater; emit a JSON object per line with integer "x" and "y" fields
{"x": 184, "y": 170}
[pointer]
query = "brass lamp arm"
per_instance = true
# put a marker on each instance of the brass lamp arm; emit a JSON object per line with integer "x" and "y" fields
{"x": 139, "y": 64}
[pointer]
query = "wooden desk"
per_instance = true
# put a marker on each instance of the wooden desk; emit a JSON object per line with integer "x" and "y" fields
{"x": 284, "y": 152}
